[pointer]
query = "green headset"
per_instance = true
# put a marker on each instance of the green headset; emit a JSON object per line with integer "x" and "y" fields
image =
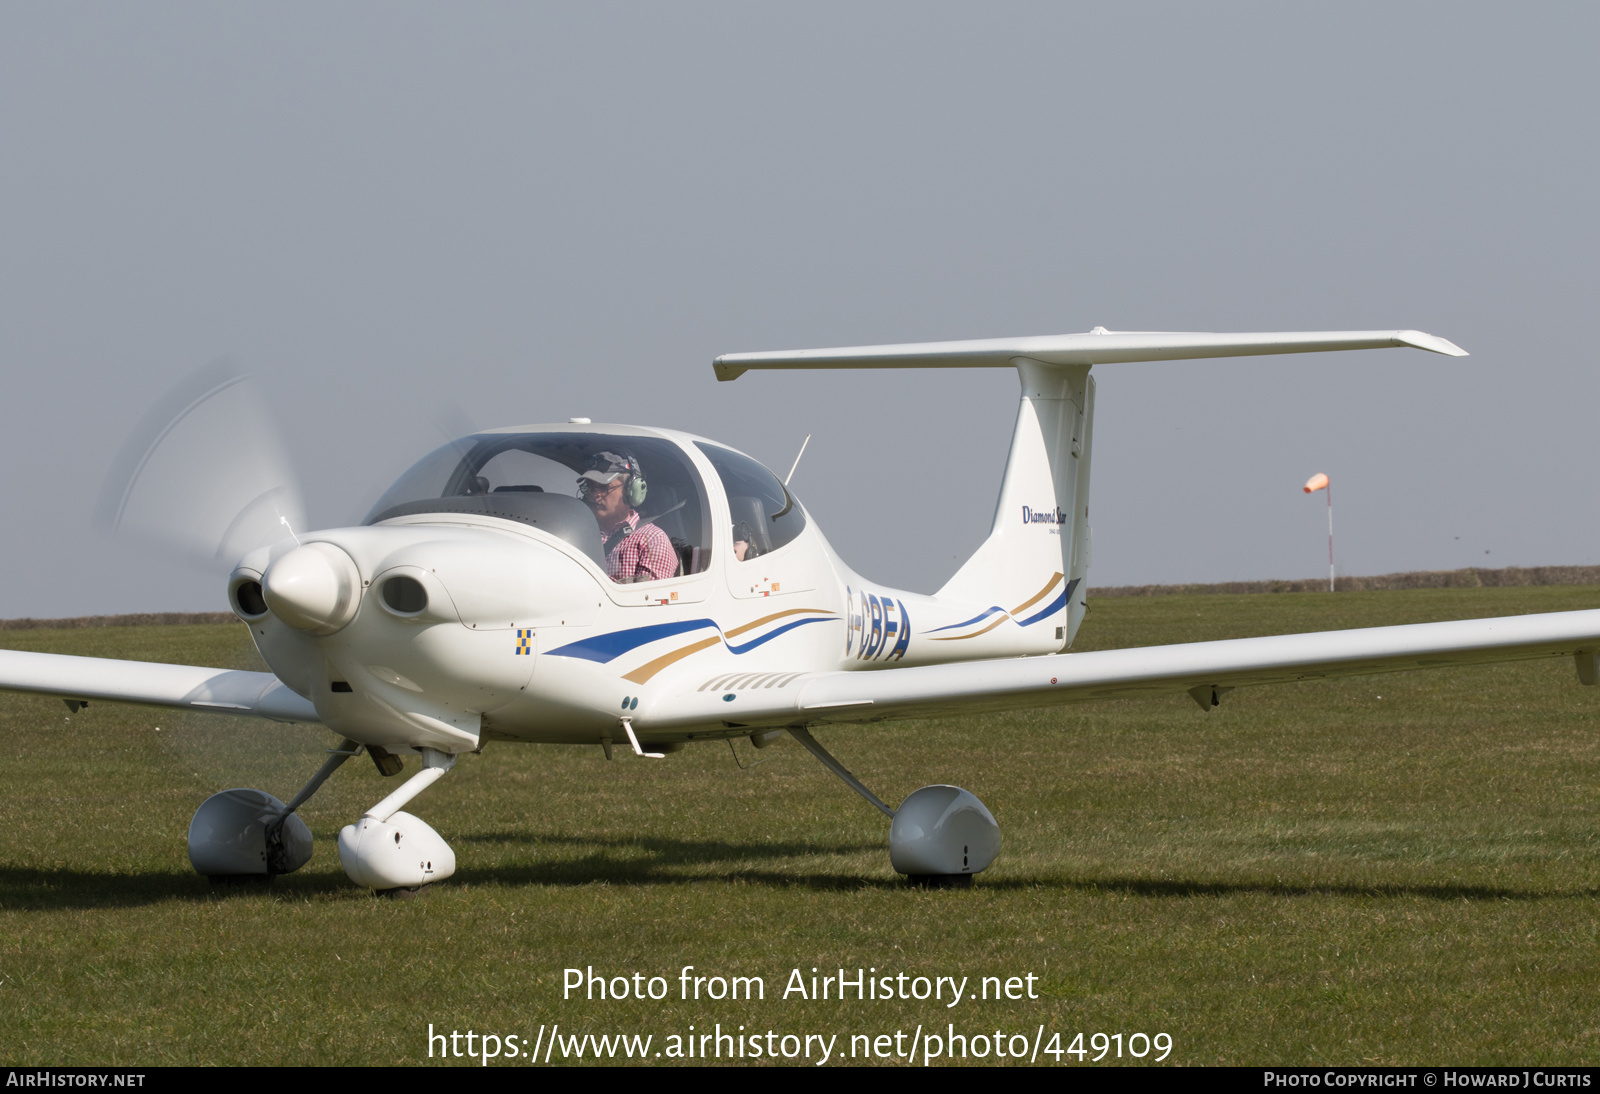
{"x": 637, "y": 487}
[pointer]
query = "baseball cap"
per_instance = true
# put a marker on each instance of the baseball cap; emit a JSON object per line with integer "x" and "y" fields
{"x": 607, "y": 467}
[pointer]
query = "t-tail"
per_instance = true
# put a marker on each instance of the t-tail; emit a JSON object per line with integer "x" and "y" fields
{"x": 1034, "y": 565}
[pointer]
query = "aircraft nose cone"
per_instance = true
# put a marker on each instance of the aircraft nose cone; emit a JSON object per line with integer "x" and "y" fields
{"x": 315, "y": 587}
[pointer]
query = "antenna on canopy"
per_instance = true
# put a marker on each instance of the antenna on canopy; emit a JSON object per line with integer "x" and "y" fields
{"x": 796, "y": 463}
{"x": 454, "y": 422}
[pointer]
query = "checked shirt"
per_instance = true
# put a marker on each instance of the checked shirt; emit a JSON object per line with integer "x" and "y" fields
{"x": 645, "y": 555}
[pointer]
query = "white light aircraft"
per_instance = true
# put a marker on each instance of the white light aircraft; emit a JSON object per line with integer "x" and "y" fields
{"x": 479, "y": 601}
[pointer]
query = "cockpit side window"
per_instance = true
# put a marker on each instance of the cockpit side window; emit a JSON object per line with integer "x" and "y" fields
{"x": 765, "y": 514}
{"x": 534, "y": 478}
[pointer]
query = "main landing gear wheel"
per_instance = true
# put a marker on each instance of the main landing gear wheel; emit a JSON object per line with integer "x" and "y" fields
{"x": 939, "y": 837}
{"x": 246, "y": 835}
{"x": 241, "y": 835}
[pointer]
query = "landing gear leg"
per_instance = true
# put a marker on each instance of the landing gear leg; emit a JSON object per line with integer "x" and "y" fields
{"x": 827, "y": 760}
{"x": 242, "y": 833}
{"x": 940, "y": 836}
{"x": 387, "y": 849}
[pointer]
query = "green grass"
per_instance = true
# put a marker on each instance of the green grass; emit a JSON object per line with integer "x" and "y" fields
{"x": 1390, "y": 869}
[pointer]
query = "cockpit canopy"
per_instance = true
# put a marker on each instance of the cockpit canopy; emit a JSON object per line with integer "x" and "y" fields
{"x": 532, "y": 478}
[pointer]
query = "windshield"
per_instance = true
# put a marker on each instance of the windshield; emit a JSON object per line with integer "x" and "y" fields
{"x": 654, "y": 507}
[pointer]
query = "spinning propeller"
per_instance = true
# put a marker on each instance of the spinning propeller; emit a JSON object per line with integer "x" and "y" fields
{"x": 204, "y": 475}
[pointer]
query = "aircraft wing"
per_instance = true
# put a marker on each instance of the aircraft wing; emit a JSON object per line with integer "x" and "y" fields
{"x": 1100, "y": 347}
{"x": 184, "y": 687}
{"x": 1203, "y": 669}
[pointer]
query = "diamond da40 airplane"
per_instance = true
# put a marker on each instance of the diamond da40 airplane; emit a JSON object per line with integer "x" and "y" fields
{"x": 501, "y": 590}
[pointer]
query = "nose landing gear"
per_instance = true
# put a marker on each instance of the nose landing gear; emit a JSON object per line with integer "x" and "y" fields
{"x": 403, "y": 852}
{"x": 388, "y": 849}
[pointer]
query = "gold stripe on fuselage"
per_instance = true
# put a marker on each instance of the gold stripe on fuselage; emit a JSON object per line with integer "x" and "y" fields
{"x": 777, "y": 615}
{"x": 1036, "y": 597}
{"x": 650, "y": 668}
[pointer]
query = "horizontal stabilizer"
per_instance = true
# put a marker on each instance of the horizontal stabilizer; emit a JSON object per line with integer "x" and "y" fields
{"x": 184, "y": 687}
{"x": 1099, "y": 347}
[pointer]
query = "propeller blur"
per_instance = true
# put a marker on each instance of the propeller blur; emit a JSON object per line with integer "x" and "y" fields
{"x": 204, "y": 475}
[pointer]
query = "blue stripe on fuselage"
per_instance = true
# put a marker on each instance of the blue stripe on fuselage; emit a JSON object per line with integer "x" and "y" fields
{"x": 609, "y": 647}
{"x": 975, "y": 619}
{"x": 1055, "y": 605}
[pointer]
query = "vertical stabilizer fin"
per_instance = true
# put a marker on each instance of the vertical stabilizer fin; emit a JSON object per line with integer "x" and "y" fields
{"x": 1035, "y": 559}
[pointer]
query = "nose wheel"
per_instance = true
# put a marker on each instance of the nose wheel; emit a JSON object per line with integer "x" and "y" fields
{"x": 387, "y": 849}
{"x": 940, "y": 837}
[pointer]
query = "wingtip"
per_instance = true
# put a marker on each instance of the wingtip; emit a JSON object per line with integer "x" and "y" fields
{"x": 726, "y": 370}
{"x": 1430, "y": 342}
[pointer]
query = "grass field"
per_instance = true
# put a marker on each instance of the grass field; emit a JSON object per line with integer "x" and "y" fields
{"x": 1391, "y": 869}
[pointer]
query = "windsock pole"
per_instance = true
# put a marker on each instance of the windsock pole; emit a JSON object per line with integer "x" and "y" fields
{"x": 1313, "y": 484}
{"x": 1330, "y": 537}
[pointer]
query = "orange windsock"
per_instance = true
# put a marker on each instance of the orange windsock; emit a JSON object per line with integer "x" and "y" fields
{"x": 1315, "y": 483}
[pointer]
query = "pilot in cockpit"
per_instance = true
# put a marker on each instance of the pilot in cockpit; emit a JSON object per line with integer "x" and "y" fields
{"x": 611, "y": 487}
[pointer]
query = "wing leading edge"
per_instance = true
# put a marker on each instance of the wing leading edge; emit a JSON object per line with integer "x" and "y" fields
{"x": 1201, "y": 668}
{"x": 184, "y": 687}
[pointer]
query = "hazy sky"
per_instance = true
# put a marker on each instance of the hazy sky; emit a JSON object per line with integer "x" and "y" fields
{"x": 521, "y": 213}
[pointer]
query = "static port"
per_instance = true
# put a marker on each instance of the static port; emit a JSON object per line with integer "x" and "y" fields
{"x": 405, "y": 595}
{"x": 251, "y": 602}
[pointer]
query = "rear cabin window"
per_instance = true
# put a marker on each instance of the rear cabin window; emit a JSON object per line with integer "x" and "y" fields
{"x": 765, "y": 514}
